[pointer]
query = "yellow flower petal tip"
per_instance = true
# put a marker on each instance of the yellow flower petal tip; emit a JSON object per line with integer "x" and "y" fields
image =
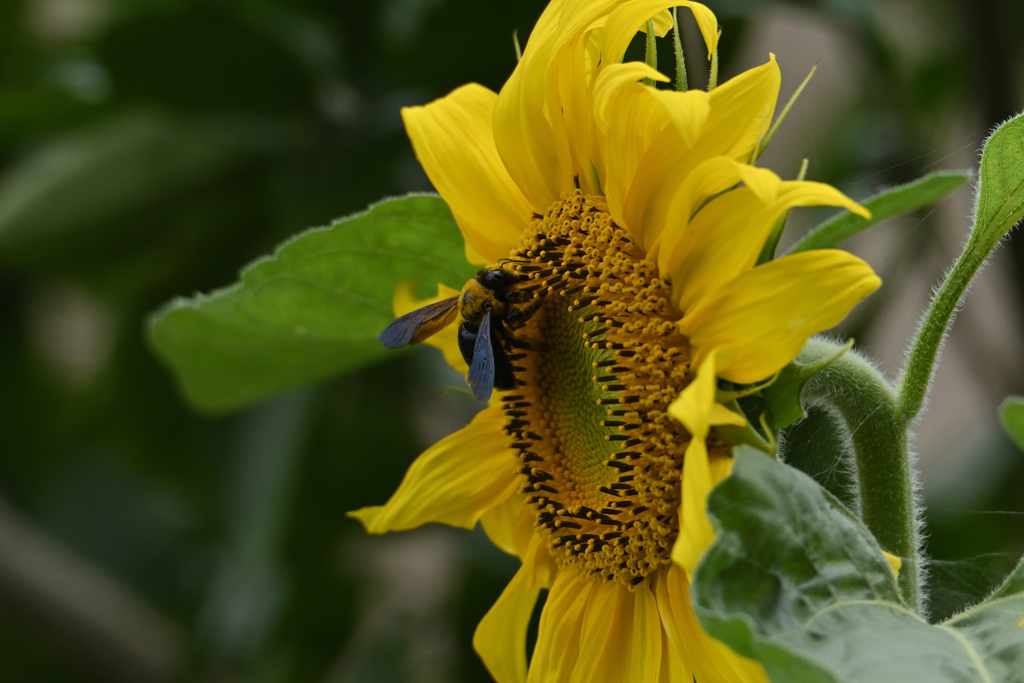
{"x": 894, "y": 562}
{"x": 368, "y": 516}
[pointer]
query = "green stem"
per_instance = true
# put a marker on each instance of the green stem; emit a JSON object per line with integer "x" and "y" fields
{"x": 652, "y": 50}
{"x": 763, "y": 144}
{"x": 924, "y": 351}
{"x": 713, "y": 73}
{"x": 681, "y": 83}
{"x": 852, "y": 390}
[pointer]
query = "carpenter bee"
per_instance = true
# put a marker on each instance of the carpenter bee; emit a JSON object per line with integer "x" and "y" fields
{"x": 489, "y": 308}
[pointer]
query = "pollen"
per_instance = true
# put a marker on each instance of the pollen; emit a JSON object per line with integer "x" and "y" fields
{"x": 599, "y": 362}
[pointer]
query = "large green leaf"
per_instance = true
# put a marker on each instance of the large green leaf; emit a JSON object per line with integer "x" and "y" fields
{"x": 313, "y": 309}
{"x": 795, "y": 581}
{"x": 887, "y": 204}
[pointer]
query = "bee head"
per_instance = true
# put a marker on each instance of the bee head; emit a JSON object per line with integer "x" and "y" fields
{"x": 497, "y": 279}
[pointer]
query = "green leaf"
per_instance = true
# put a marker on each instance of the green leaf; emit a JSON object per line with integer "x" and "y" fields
{"x": 313, "y": 309}
{"x": 772, "y": 243}
{"x": 783, "y": 395}
{"x": 103, "y": 171}
{"x": 795, "y": 581}
{"x": 1011, "y": 416}
{"x": 884, "y": 205}
{"x": 820, "y": 447}
{"x": 753, "y": 408}
{"x": 954, "y": 585}
{"x": 1012, "y": 585}
{"x": 1000, "y": 197}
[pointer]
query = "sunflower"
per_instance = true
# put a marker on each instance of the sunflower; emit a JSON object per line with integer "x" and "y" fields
{"x": 635, "y": 219}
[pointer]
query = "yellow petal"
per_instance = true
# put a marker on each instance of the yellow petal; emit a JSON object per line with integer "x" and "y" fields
{"x": 688, "y": 111}
{"x": 650, "y": 135}
{"x": 592, "y": 632}
{"x": 741, "y": 111}
{"x": 628, "y": 18}
{"x": 454, "y": 482}
{"x": 614, "y": 77}
{"x": 714, "y": 248}
{"x": 454, "y": 141}
{"x": 720, "y": 173}
{"x": 598, "y": 621}
{"x": 725, "y": 238}
{"x": 712, "y": 660}
{"x": 696, "y": 406}
{"x": 662, "y": 24}
{"x": 894, "y": 563}
{"x": 570, "y": 77}
{"x": 721, "y": 465}
{"x": 794, "y": 193}
{"x": 558, "y": 640}
{"x": 575, "y": 17}
{"x": 697, "y": 409}
{"x": 674, "y": 669}
{"x": 447, "y": 340}
{"x": 677, "y": 624}
{"x": 510, "y": 525}
{"x": 621, "y": 640}
{"x": 544, "y": 117}
{"x": 500, "y": 637}
{"x": 631, "y": 132}
{"x": 696, "y": 532}
{"x": 709, "y": 178}
{"x": 761, "y": 319}
{"x": 529, "y": 146}
{"x": 737, "y": 114}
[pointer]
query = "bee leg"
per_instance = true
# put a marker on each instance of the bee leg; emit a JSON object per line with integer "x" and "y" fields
{"x": 514, "y": 320}
{"x": 520, "y": 342}
{"x": 516, "y": 296}
{"x": 517, "y": 318}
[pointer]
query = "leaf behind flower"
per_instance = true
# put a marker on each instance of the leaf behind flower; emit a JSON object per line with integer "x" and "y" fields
{"x": 310, "y": 311}
{"x": 895, "y": 201}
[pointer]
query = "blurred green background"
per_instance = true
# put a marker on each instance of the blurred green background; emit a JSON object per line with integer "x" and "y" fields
{"x": 150, "y": 148}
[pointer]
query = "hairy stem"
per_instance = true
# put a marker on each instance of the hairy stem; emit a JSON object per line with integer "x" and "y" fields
{"x": 652, "y": 50}
{"x": 924, "y": 351}
{"x": 855, "y": 392}
{"x": 677, "y": 44}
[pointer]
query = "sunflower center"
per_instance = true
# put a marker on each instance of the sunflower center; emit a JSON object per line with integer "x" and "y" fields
{"x": 596, "y": 366}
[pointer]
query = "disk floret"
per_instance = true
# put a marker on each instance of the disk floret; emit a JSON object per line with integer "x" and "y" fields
{"x": 601, "y": 457}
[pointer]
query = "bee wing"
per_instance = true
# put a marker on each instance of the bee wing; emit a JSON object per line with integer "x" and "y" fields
{"x": 412, "y": 328}
{"x": 481, "y": 370}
